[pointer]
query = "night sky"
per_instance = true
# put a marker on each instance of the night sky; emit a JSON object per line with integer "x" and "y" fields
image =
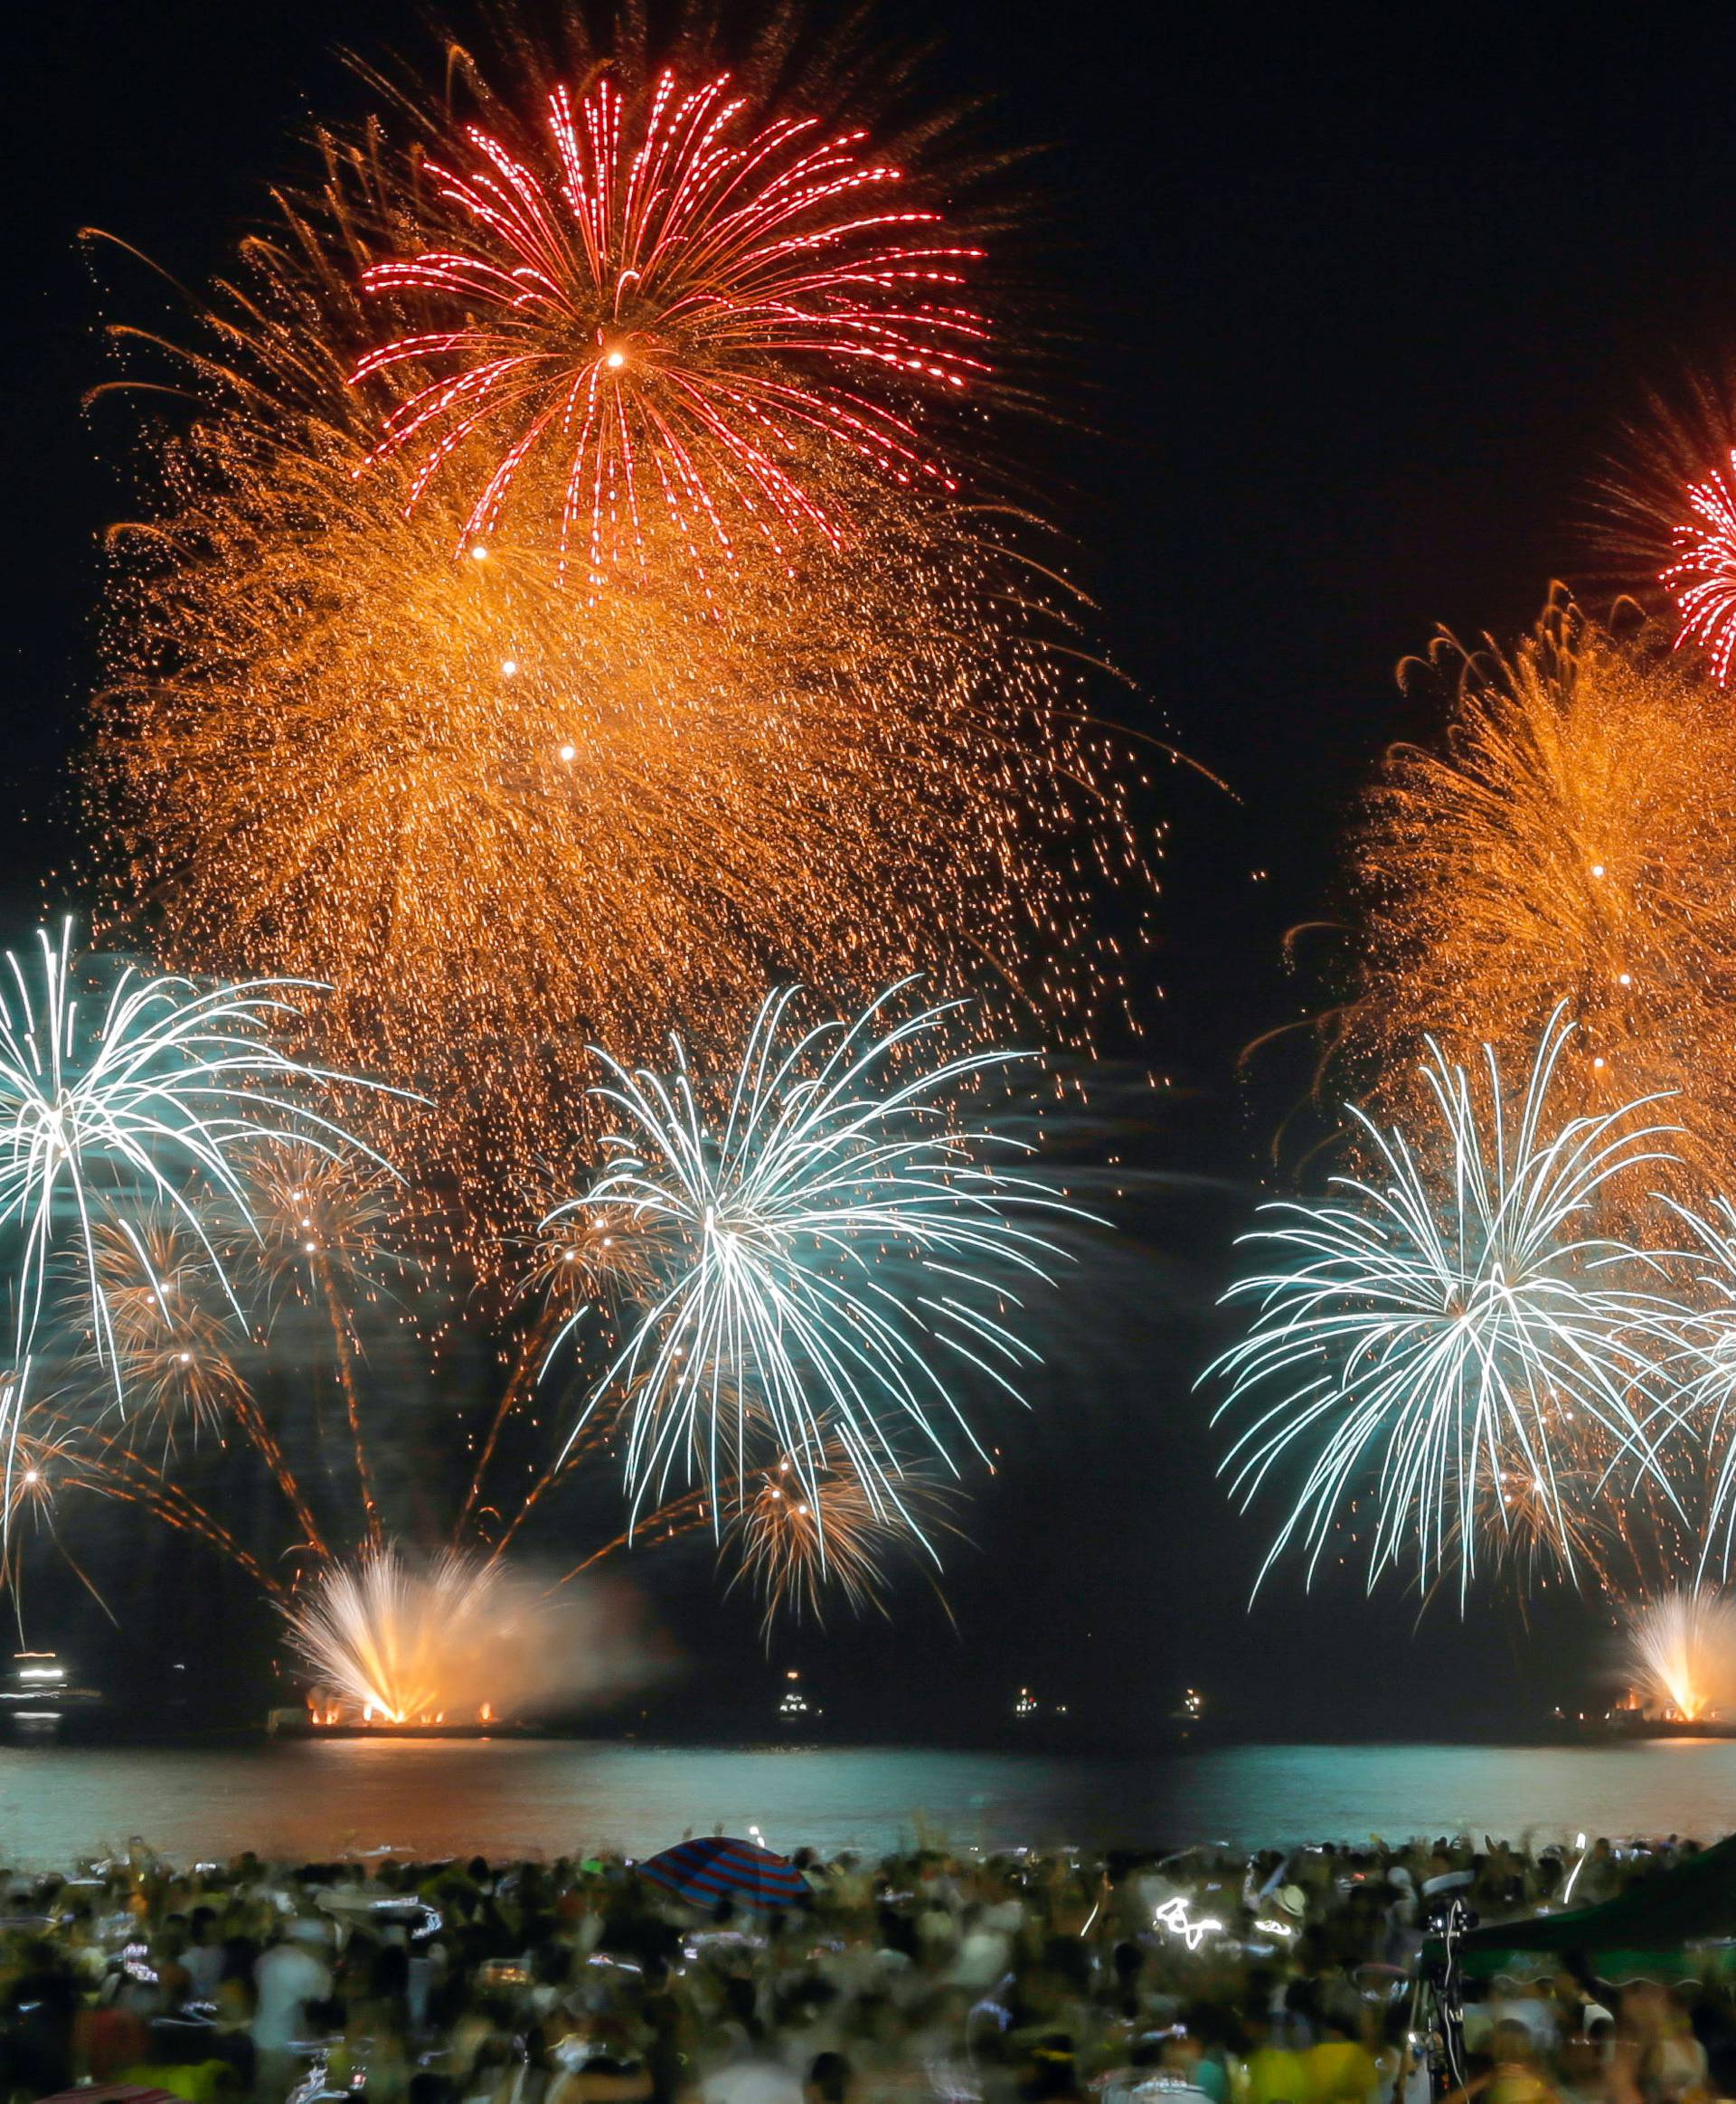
{"x": 1349, "y": 317}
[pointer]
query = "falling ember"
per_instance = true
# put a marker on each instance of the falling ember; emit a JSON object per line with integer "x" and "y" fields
{"x": 1682, "y": 1649}
{"x": 676, "y": 298}
{"x": 1701, "y": 579}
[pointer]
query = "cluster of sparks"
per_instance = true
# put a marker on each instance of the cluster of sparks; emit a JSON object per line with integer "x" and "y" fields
{"x": 792, "y": 1250}
{"x": 1568, "y": 842}
{"x": 558, "y": 623}
{"x": 1504, "y": 1340}
{"x": 131, "y": 1108}
{"x": 678, "y": 298}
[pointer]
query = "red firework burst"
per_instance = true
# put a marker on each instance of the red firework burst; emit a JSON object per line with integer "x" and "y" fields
{"x": 1702, "y": 577}
{"x": 689, "y": 310}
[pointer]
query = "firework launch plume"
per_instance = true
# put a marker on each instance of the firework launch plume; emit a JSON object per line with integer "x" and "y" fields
{"x": 1681, "y": 1652}
{"x": 675, "y": 296}
{"x": 834, "y": 1248}
{"x": 1451, "y": 1322}
{"x": 462, "y": 1639}
{"x": 1568, "y": 845}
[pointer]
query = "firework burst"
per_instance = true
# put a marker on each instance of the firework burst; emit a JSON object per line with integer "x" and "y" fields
{"x": 499, "y": 821}
{"x": 1450, "y": 1342}
{"x": 130, "y": 1101}
{"x": 830, "y": 1239}
{"x": 678, "y": 298}
{"x": 178, "y": 1339}
{"x": 1568, "y": 845}
{"x": 1702, "y": 578}
{"x": 799, "y": 1551}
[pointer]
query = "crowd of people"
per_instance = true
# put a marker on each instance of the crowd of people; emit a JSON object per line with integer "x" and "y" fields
{"x": 1203, "y": 1977}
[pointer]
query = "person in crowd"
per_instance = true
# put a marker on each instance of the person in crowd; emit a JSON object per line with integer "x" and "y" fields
{"x": 939, "y": 1976}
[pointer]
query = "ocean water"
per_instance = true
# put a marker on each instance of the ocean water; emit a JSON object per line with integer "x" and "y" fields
{"x": 529, "y": 1798}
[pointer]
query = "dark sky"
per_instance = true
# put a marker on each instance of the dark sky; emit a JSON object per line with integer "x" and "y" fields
{"x": 1353, "y": 311}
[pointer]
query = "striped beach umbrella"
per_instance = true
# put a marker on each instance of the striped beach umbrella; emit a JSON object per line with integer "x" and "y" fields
{"x": 716, "y": 1868}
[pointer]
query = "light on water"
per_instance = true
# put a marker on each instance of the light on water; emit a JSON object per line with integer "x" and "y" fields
{"x": 545, "y": 1797}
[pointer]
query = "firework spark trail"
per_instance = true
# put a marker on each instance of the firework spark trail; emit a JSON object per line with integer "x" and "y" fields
{"x": 826, "y": 1232}
{"x": 679, "y": 296}
{"x": 594, "y": 1261}
{"x": 685, "y": 1514}
{"x": 138, "y": 1097}
{"x": 1453, "y": 1320}
{"x": 1682, "y": 1648}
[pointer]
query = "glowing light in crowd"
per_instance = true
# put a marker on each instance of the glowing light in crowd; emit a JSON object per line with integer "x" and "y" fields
{"x": 1682, "y": 1649}
{"x": 1449, "y": 1319}
{"x": 1174, "y": 1920}
{"x": 833, "y": 1242}
{"x": 678, "y": 298}
{"x": 1702, "y": 577}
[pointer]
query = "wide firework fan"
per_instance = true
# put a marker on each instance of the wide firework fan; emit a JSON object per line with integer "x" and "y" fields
{"x": 676, "y": 294}
{"x": 1452, "y": 1320}
{"x": 835, "y": 1244}
{"x": 462, "y": 1638}
{"x": 1681, "y": 1650}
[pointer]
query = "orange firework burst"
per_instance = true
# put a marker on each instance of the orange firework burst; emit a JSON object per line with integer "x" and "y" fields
{"x": 677, "y": 297}
{"x": 177, "y": 1337}
{"x": 1569, "y": 843}
{"x": 502, "y": 822}
{"x": 798, "y": 1545}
